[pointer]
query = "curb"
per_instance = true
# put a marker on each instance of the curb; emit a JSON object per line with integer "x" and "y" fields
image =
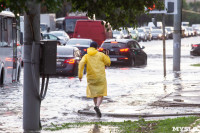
{"x": 134, "y": 115}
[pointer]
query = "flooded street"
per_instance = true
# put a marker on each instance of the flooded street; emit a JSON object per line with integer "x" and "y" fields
{"x": 130, "y": 90}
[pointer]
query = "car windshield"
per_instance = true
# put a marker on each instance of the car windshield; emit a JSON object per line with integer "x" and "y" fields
{"x": 108, "y": 45}
{"x": 43, "y": 27}
{"x": 140, "y": 30}
{"x": 156, "y": 31}
{"x": 116, "y": 32}
{"x": 147, "y": 29}
{"x": 133, "y": 32}
{"x": 61, "y": 51}
{"x": 168, "y": 29}
{"x": 125, "y": 32}
{"x": 57, "y": 33}
{"x": 70, "y": 24}
{"x": 78, "y": 42}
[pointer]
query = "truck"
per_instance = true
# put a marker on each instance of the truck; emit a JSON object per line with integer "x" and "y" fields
{"x": 92, "y": 29}
{"x": 48, "y": 20}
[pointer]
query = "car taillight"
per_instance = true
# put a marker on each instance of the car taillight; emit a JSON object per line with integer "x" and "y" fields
{"x": 123, "y": 58}
{"x": 195, "y": 45}
{"x": 9, "y": 59}
{"x": 85, "y": 50}
{"x": 113, "y": 42}
{"x": 100, "y": 49}
{"x": 124, "y": 50}
{"x": 70, "y": 61}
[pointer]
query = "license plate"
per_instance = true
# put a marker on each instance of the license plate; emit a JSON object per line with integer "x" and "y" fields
{"x": 58, "y": 63}
{"x": 113, "y": 59}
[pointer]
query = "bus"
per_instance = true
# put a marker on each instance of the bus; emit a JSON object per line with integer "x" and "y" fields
{"x": 10, "y": 51}
{"x": 69, "y": 23}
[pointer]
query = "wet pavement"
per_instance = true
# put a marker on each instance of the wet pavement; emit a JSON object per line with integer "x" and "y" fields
{"x": 131, "y": 90}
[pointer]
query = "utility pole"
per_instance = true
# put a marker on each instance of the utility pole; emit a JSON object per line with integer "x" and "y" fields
{"x": 177, "y": 37}
{"x": 31, "y": 102}
{"x": 164, "y": 53}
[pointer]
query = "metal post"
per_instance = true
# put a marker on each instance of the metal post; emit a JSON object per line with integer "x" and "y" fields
{"x": 31, "y": 103}
{"x": 164, "y": 53}
{"x": 177, "y": 37}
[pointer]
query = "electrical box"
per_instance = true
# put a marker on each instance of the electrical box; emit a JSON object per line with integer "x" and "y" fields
{"x": 48, "y": 57}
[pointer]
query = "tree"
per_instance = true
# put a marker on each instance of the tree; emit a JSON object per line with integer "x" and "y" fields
{"x": 117, "y": 12}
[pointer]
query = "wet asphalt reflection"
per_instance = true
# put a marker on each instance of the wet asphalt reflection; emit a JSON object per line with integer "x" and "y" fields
{"x": 130, "y": 89}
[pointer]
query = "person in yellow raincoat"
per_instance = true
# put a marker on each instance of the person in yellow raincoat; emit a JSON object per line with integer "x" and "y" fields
{"x": 96, "y": 76}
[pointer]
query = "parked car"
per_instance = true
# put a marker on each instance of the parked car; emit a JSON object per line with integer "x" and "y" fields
{"x": 47, "y": 36}
{"x": 190, "y": 30}
{"x": 185, "y": 32}
{"x": 142, "y": 34}
{"x": 157, "y": 34}
{"x": 135, "y": 34}
{"x": 61, "y": 34}
{"x": 81, "y": 44}
{"x": 67, "y": 60}
{"x": 118, "y": 34}
{"x": 125, "y": 51}
{"x": 195, "y": 49}
{"x": 170, "y": 31}
{"x": 149, "y": 35}
{"x": 126, "y": 33}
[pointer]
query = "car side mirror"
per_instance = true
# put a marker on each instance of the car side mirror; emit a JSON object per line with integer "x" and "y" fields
{"x": 142, "y": 47}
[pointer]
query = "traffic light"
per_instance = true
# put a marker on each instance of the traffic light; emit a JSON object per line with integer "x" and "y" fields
{"x": 152, "y": 8}
{"x": 154, "y": 21}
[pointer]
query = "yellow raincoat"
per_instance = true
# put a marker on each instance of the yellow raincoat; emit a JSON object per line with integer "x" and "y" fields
{"x": 96, "y": 76}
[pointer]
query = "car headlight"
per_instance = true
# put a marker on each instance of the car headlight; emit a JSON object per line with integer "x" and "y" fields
{"x": 159, "y": 35}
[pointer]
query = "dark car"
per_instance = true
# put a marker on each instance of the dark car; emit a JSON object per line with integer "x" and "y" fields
{"x": 195, "y": 51}
{"x": 67, "y": 60}
{"x": 81, "y": 44}
{"x": 125, "y": 51}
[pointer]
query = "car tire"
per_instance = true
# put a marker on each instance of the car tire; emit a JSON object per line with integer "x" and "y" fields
{"x": 58, "y": 43}
{"x": 145, "y": 62}
{"x": 75, "y": 72}
{"x": 18, "y": 74}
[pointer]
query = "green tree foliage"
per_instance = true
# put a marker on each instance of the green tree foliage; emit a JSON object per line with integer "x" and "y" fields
{"x": 117, "y": 12}
{"x": 19, "y": 6}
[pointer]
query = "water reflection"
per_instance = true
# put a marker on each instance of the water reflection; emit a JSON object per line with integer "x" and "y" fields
{"x": 178, "y": 86}
{"x": 95, "y": 129}
{"x": 177, "y": 81}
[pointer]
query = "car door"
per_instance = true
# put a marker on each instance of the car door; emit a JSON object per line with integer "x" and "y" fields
{"x": 141, "y": 55}
{"x": 134, "y": 52}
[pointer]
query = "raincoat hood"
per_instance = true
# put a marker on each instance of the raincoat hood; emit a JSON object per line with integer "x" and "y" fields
{"x": 91, "y": 51}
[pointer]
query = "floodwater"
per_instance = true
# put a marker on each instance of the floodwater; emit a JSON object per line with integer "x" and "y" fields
{"x": 130, "y": 90}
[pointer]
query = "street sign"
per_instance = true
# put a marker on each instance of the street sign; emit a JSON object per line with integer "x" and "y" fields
{"x": 170, "y": 8}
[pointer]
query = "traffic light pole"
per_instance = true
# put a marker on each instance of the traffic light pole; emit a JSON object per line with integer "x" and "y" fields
{"x": 177, "y": 37}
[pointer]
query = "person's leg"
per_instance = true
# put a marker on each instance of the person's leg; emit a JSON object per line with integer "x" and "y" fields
{"x": 96, "y": 108}
{"x": 95, "y": 101}
{"x": 99, "y": 101}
